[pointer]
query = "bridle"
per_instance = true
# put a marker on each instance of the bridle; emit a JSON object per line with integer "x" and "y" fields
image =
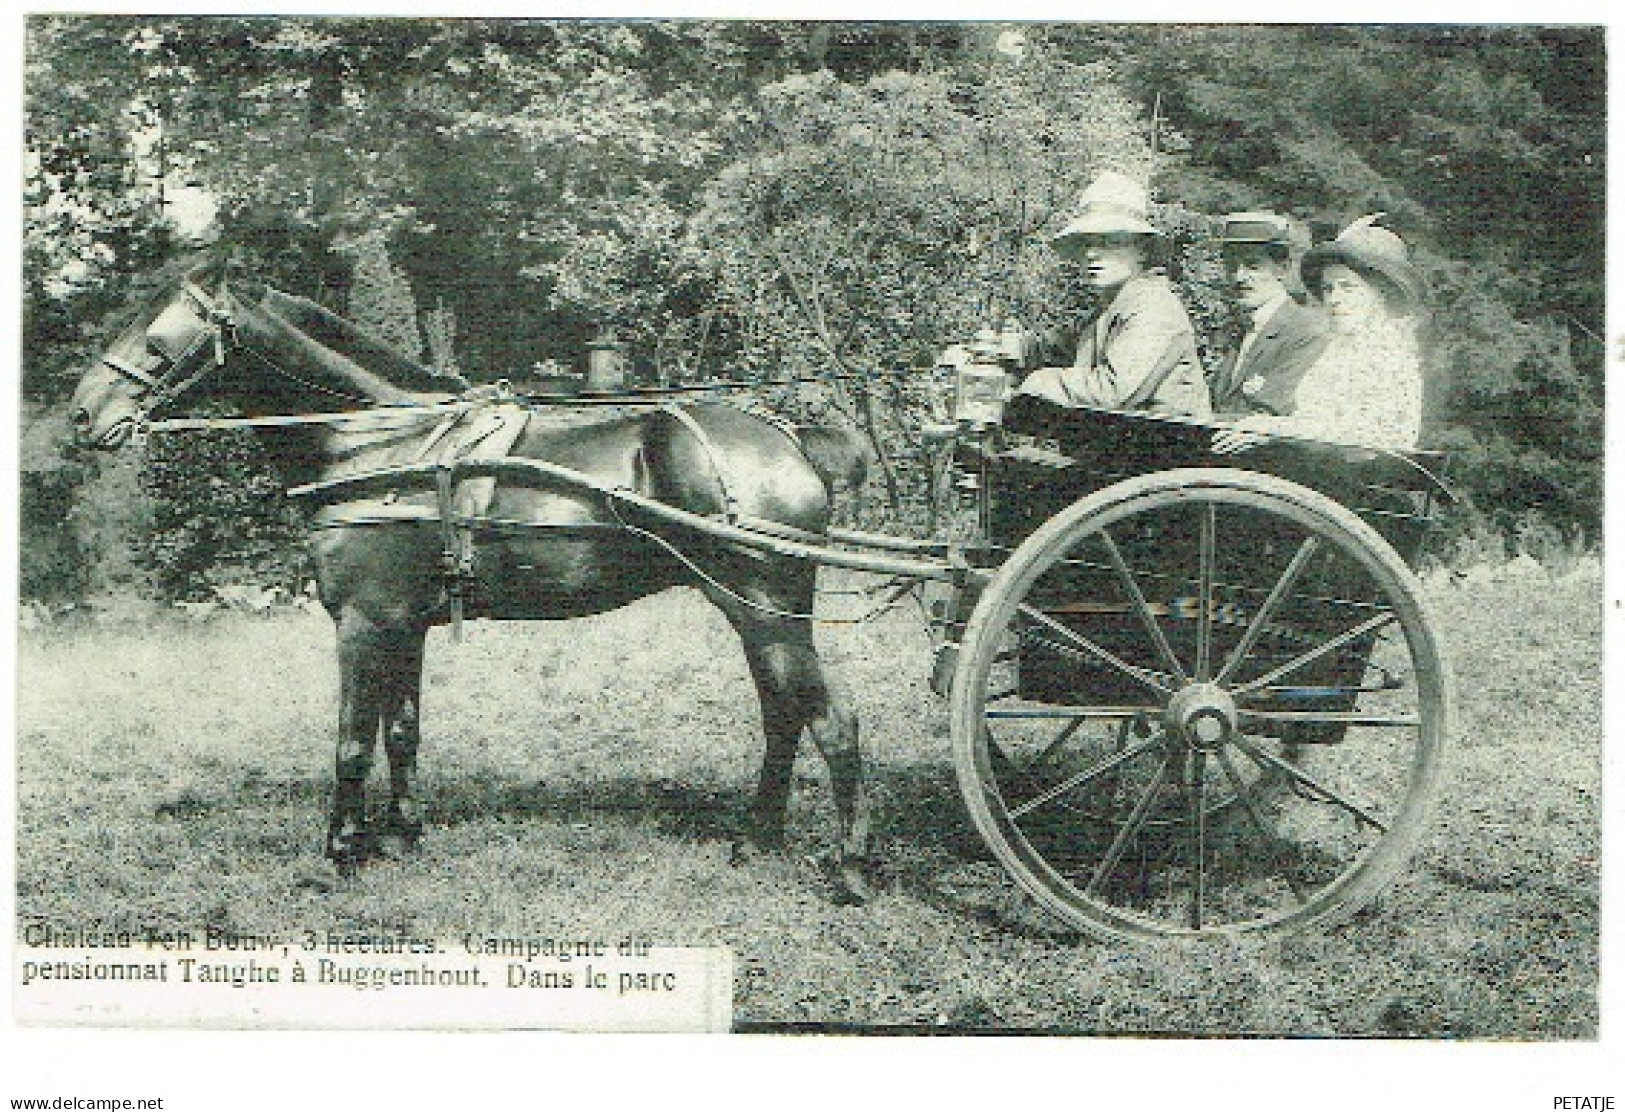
{"x": 174, "y": 337}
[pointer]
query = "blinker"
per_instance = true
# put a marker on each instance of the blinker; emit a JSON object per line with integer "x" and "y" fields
{"x": 175, "y": 332}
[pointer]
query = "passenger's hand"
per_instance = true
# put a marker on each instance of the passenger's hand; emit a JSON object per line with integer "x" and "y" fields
{"x": 1244, "y": 434}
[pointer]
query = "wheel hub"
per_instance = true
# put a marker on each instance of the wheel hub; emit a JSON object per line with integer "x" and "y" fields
{"x": 1202, "y": 715}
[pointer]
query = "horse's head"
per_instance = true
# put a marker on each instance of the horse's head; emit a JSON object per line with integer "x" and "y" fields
{"x": 306, "y": 359}
{"x": 178, "y": 339}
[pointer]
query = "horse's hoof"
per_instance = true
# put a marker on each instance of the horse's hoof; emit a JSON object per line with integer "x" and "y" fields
{"x": 848, "y": 885}
{"x": 398, "y": 835}
{"x": 349, "y": 851}
{"x": 323, "y": 876}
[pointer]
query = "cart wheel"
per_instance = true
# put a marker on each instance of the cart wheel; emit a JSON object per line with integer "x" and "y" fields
{"x": 1201, "y": 701}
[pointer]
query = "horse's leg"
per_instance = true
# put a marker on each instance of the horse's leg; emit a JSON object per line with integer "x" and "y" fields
{"x": 402, "y": 706}
{"x": 795, "y": 695}
{"x": 834, "y": 729}
{"x": 363, "y": 671}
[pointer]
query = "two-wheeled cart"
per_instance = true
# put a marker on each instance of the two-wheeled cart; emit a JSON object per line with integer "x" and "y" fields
{"x": 1191, "y": 696}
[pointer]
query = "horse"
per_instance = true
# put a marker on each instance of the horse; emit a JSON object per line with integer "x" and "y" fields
{"x": 293, "y": 369}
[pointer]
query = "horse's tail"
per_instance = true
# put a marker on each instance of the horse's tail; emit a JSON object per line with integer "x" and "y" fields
{"x": 839, "y": 455}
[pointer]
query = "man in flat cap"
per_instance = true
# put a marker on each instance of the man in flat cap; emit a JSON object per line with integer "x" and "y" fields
{"x": 1282, "y": 339}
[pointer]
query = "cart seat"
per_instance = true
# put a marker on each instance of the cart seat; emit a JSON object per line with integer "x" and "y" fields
{"x": 1132, "y": 443}
{"x": 1054, "y": 455}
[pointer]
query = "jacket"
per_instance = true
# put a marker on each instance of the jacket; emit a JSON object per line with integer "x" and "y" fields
{"x": 1267, "y": 380}
{"x": 1139, "y": 352}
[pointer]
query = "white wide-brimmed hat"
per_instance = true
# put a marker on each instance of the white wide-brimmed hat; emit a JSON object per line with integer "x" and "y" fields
{"x": 1114, "y": 204}
{"x": 1372, "y": 250}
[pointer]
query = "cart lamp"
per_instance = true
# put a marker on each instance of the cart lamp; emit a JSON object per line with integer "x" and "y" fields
{"x": 980, "y": 392}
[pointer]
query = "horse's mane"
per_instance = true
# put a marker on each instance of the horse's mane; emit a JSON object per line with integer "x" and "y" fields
{"x": 327, "y": 328}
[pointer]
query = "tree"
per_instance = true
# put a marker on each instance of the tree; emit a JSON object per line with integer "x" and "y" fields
{"x": 865, "y": 225}
{"x": 91, "y": 223}
{"x": 381, "y": 298}
{"x": 837, "y": 200}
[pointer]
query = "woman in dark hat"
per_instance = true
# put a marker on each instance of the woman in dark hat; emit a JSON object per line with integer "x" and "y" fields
{"x": 1139, "y": 350}
{"x": 1366, "y": 386}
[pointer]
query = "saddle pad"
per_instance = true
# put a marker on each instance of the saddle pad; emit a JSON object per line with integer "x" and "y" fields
{"x": 486, "y": 433}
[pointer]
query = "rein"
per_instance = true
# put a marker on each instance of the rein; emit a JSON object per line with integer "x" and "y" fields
{"x": 288, "y": 420}
{"x": 214, "y": 322}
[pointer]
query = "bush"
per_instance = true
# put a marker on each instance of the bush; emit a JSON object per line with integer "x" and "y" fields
{"x": 51, "y": 567}
{"x": 217, "y": 516}
{"x": 867, "y": 225}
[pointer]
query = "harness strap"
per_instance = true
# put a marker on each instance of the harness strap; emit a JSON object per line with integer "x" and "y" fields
{"x": 454, "y": 553}
{"x": 167, "y": 391}
{"x": 411, "y": 412}
{"x": 125, "y": 367}
{"x": 434, "y": 438}
{"x": 730, "y": 504}
{"x": 206, "y": 304}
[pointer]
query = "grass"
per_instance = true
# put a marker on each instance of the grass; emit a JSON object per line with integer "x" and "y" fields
{"x": 586, "y": 780}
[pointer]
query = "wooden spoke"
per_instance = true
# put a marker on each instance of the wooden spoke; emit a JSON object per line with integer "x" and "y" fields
{"x": 1008, "y": 768}
{"x": 1155, "y": 680}
{"x": 1099, "y": 768}
{"x": 1206, "y": 555}
{"x": 1131, "y": 827}
{"x": 1081, "y": 714}
{"x": 1003, "y": 767}
{"x": 1325, "y": 691}
{"x": 1263, "y": 757}
{"x": 1054, "y": 747}
{"x": 1305, "y": 659}
{"x": 1266, "y": 835}
{"x": 1116, "y": 825}
{"x": 1347, "y": 718}
{"x": 1198, "y": 832}
{"x": 1142, "y": 607}
{"x": 1255, "y": 629}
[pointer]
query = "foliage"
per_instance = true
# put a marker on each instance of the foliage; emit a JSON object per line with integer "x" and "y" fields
{"x": 217, "y": 516}
{"x": 55, "y": 569}
{"x": 839, "y": 200}
{"x": 1485, "y": 147}
{"x": 440, "y": 338}
{"x": 90, "y": 226}
{"x": 109, "y": 521}
{"x": 870, "y": 224}
{"x": 381, "y": 296}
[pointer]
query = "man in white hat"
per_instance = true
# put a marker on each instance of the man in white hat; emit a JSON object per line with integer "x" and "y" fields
{"x": 1139, "y": 350}
{"x": 1282, "y": 338}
